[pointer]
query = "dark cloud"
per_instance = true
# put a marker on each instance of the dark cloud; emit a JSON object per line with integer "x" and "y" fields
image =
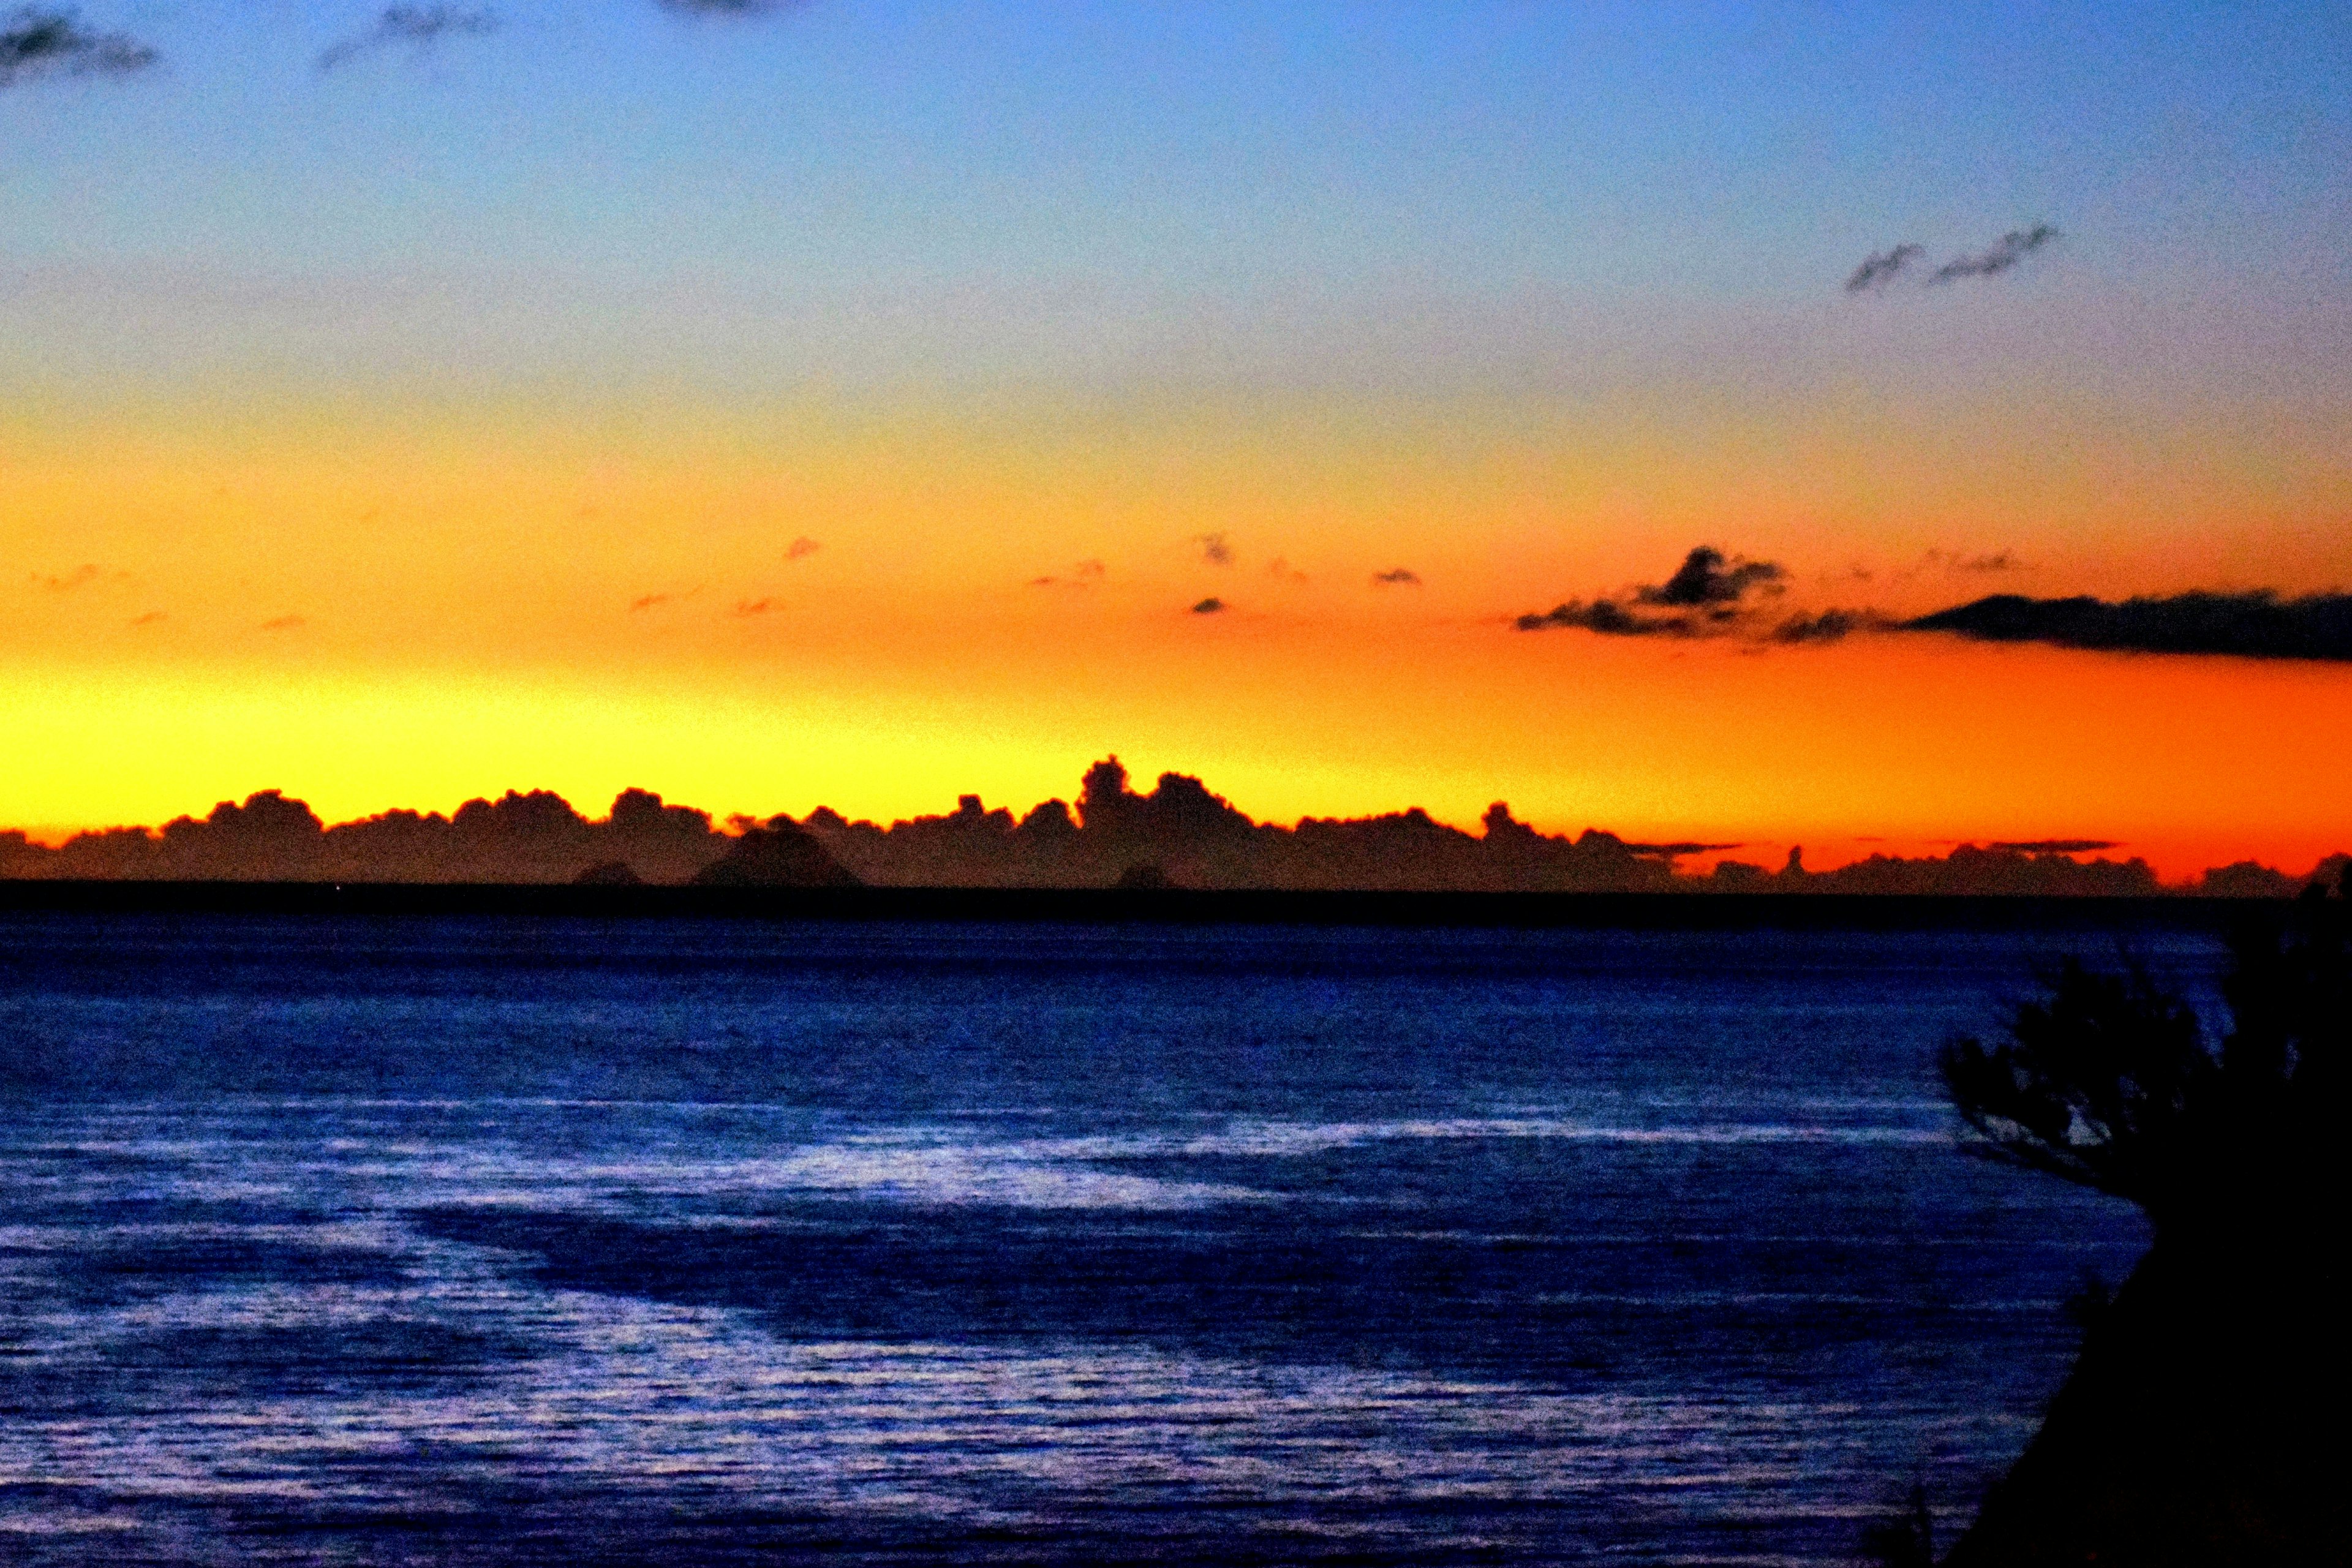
{"x": 1217, "y": 549}
{"x": 418, "y": 26}
{"x": 1397, "y": 577}
{"x": 1705, "y": 577}
{"x": 2247, "y": 625}
{"x": 1828, "y": 625}
{"x": 801, "y": 549}
{"x": 2055, "y": 846}
{"x": 36, "y": 42}
{"x": 1706, "y": 596}
{"x": 1998, "y": 257}
{"x": 1879, "y": 269}
{"x": 1210, "y": 607}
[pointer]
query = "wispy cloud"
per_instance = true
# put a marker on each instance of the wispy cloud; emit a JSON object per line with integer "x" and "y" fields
{"x": 284, "y": 624}
{"x": 1397, "y": 577}
{"x": 754, "y": 607}
{"x": 649, "y": 601}
{"x": 81, "y": 576}
{"x": 1998, "y": 257}
{"x": 1216, "y": 548}
{"x": 1282, "y": 571}
{"x": 36, "y": 42}
{"x": 417, "y": 27}
{"x": 2260, "y": 625}
{"x": 151, "y": 618}
{"x": 1881, "y": 267}
{"x": 724, "y": 8}
{"x": 801, "y": 549}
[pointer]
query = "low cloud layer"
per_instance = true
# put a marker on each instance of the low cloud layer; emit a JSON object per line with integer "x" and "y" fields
{"x": 1178, "y": 834}
{"x": 36, "y": 42}
{"x": 1707, "y": 597}
{"x": 415, "y": 27}
{"x": 2258, "y": 625}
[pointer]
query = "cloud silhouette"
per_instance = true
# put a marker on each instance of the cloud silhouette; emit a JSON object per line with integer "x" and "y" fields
{"x": 1826, "y": 626}
{"x": 1881, "y": 267}
{"x": 1998, "y": 257}
{"x": 2057, "y": 846}
{"x": 1217, "y": 549}
{"x": 1210, "y": 607}
{"x": 36, "y": 42}
{"x": 1397, "y": 577}
{"x": 1705, "y": 597}
{"x": 419, "y": 26}
{"x": 801, "y": 549}
{"x": 2259, "y": 625}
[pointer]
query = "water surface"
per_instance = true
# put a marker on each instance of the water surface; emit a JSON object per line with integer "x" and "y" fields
{"x": 482, "y": 1240}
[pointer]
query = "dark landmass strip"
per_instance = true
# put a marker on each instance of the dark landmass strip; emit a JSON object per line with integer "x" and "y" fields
{"x": 1177, "y": 836}
{"x": 1097, "y": 906}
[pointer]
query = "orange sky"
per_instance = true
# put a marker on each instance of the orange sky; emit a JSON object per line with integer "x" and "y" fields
{"x": 371, "y": 607}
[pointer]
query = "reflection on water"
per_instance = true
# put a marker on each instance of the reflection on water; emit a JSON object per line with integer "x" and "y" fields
{"x": 339, "y": 1242}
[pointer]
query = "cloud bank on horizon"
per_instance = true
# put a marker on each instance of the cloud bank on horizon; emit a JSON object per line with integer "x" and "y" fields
{"x": 1177, "y": 833}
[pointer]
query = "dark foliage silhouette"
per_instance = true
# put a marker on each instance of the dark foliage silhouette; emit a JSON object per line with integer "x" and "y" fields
{"x": 2202, "y": 1423}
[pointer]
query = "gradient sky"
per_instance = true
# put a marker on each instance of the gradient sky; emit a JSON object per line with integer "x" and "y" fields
{"x": 445, "y": 421}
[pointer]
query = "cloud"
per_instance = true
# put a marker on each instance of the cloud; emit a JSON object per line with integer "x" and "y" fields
{"x": 1707, "y": 592}
{"x": 1995, "y": 561}
{"x": 728, "y": 8}
{"x": 284, "y": 624}
{"x": 1217, "y": 549}
{"x": 419, "y": 26}
{"x": 1397, "y": 577}
{"x": 80, "y": 577}
{"x": 649, "y": 601}
{"x": 1706, "y": 578}
{"x": 1210, "y": 607}
{"x": 1085, "y": 574}
{"x": 2057, "y": 846}
{"x": 754, "y": 607}
{"x": 801, "y": 549}
{"x": 35, "y": 42}
{"x": 1827, "y": 626}
{"x": 1997, "y": 258}
{"x": 2259, "y": 625}
{"x": 1282, "y": 571}
{"x": 1880, "y": 268}
{"x": 149, "y": 620}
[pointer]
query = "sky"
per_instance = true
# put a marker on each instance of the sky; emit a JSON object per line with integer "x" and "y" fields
{"x": 861, "y": 403}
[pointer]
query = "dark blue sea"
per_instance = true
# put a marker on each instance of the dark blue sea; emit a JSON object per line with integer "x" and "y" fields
{"x": 476, "y": 1240}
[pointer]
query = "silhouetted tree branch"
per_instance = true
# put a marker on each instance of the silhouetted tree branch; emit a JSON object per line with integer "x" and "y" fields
{"x": 2110, "y": 1082}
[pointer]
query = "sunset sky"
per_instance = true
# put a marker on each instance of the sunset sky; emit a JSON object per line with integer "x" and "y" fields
{"x": 851, "y": 403}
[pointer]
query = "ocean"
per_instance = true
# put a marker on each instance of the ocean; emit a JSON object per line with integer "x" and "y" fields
{"x": 547, "y": 1241}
